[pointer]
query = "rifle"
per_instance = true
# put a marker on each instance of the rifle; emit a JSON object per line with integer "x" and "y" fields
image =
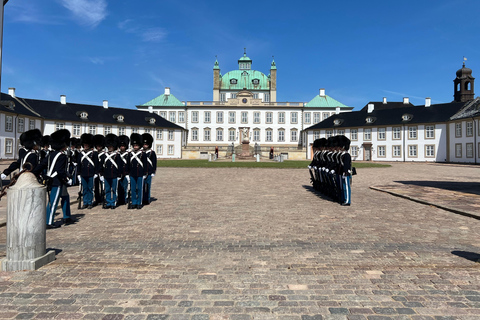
{"x": 80, "y": 193}
{"x": 104, "y": 201}
{"x": 129, "y": 196}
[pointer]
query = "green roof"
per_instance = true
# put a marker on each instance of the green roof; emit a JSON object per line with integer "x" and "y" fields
{"x": 325, "y": 102}
{"x": 245, "y": 80}
{"x": 164, "y": 101}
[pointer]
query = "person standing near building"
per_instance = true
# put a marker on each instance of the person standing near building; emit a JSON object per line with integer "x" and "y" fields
{"x": 99, "y": 190}
{"x": 124, "y": 179}
{"x": 151, "y": 166}
{"x": 88, "y": 168}
{"x": 31, "y": 141}
{"x": 110, "y": 171}
{"x": 346, "y": 171}
{"x": 56, "y": 164}
{"x": 138, "y": 170}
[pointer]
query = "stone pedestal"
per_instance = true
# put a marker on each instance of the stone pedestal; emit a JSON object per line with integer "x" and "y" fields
{"x": 26, "y": 226}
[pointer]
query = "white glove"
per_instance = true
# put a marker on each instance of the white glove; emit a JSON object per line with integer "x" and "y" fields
{"x": 309, "y": 167}
{"x": 69, "y": 182}
{"x": 144, "y": 177}
{"x": 95, "y": 176}
{"x": 79, "y": 179}
{"x": 127, "y": 177}
{"x": 153, "y": 175}
{"x": 102, "y": 178}
{"x": 4, "y": 176}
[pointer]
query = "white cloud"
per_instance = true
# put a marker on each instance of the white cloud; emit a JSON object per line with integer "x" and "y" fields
{"x": 96, "y": 60}
{"x": 146, "y": 34}
{"x": 88, "y": 12}
{"x": 31, "y": 13}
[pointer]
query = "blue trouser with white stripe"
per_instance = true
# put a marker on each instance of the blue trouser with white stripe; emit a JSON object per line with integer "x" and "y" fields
{"x": 147, "y": 187}
{"x": 347, "y": 189}
{"x": 87, "y": 186}
{"x": 136, "y": 190}
{"x": 123, "y": 190}
{"x": 55, "y": 195}
{"x": 111, "y": 191}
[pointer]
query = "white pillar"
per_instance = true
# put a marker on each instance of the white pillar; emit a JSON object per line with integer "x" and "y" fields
{"x": 26, "y": 226}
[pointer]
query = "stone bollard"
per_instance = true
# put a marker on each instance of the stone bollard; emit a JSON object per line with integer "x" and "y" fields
{"x": 26, "y": 226}
{"x": 233, "y": 157}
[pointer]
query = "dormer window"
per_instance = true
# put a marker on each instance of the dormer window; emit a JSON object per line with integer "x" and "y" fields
{"x": 83, "y": 115}
{"x": 119, "y": 117}
{"x": 370, "y": 119}
{"x": 407, "y": 117}
{"x": 256, "y": 81}
{"x": 233, "y": 81}
{"x": 151, "y": 120}
{"x": 337, "y": 122}
{"x": 244, "y": 73}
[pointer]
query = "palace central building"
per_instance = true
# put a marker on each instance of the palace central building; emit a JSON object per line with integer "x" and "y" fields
{"x": 244, "y": 110}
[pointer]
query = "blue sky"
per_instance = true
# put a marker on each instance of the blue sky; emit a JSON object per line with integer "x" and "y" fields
{"x": 127, "y": 52}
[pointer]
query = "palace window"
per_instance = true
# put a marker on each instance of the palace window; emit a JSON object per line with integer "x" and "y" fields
{"x": 329, "y": 133}
{"x": 256, "y": 117}
{"x": 231, "y": 117}
{"x": 381, "y": 134}
{"x": 381, "y": 151}
{"x": 163, "y": 114}
{"x": 222, "y": 97}
{"x": 108, "y": 130}
{"x": 307, "y": 117}
{"x": 134, "y": 130}
{"x": 269, "y": 117}
{"x": 31, "y": 124}
{"x": 458, "y": 150}
{"x": 469, "y": 150}
{"x": 316, "y": 117}
{"x": 170, "y": 149}
{"x": 233, "y": 96}
{"x": 206, "y": 134}
{"x": 397, "y": 133}
{"x": 231, "y": 134}
{"x": 325, "y": 115}
{"x": 206, "y": 117}
{"x": 244, "y": 117}
{"x": 77, "y": 129}
{"x": 8, "y": 123}
{"x": 194, "y": 134}
{"x": 268, "y": 135}
{"x": 59, "y": 126}
{"x": 412, "y": 133}
{"x": 195, "y": 116}
{"x": 219, "y": 134}
{"x": 429, "y": 132}
{"x": 170, "y": 135}
{"x": 172, "y": 116}
{"x": 458, "y": 129}
{"x": 233, "y": 81}
{"x": 8, "y": 146}
{"x": 121, "y": 131}
{"x": 469, "y": 129}
{"x": 354, "y": 134}
{"x": 294, "y": 117}
{"x": 354, "y": 151}
{"x": 255, "y": 96}
{"x": 267, "y": 97}
{"x": 281, "y": 117}
{"x": 412, "y": 151}
{"x": 294, "y": 135}
{"x": 159, "y": 149}
{"x": 159, "y": 134}
{"x": 219, "y": 116}
{"x": 430, "y": 151}
{"x": 397, "y": 151}
{"x": 21, "y": 125}
{"x": 256, "y": 135}
{"x": 181, "y": 116}
{"x": 316, "y": 135}
{"x": 367, "y": 134}
{"x": 92, "y": 129}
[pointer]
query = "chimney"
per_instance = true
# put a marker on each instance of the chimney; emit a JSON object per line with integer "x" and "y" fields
{"x": 105, "y": 104}
{"x": 428, "y": 102}
{"x": 370, "y": 107}
{"x": 406, "y": 100}
{"x": 150, "y": 109}
{"x": 384, "y": 100}
{"x": 63, "y": 99}
{"x": 322, "y": 92}
{"x": 167, "y": 91}
{"x": 337, "y": 110}
{"x": 11, "y": 92}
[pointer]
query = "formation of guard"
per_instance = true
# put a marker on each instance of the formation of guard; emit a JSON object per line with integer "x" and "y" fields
{"x": 106, "y": 171}
{"x": 331, "y": 168}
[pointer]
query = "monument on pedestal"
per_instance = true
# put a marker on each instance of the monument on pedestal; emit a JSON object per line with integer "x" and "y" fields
{"x": 245, "y": 142}
{"x": 26, "y": 226}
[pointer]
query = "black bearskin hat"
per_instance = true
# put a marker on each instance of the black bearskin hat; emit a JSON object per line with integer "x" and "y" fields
{"x": 46, "y": 141}
{"x": 99, "y": 140}
{"x": 77, "y": 143}
{"x": 316, "y": 143}
{"x": 60, "y": 139}
{"x": 87, "y": 138}
{"x": 331, "y": 143}
{"x": 31, "y": 138}
{"x": 344, "y": 142}
{"x": 72, "y": 142}
{"x": 147, "y": 139}
{"x": 136, "y": 138}
{"x": 111, "y": 140}
{"x": 323, "y": 143}
{"x": 123, "y": 140}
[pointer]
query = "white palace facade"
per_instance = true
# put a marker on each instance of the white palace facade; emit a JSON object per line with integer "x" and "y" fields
{"x": 244, "y": 107}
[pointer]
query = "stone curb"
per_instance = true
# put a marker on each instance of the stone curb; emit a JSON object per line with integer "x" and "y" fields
{"x": 466, "y": 213}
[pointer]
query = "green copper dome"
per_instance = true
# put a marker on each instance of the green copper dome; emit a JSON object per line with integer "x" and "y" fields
{"x": 240, "y": 79}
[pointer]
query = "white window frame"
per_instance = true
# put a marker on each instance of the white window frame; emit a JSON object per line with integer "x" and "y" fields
{"x": 458, "y": 130}
{"x": 293, "y": 117}
{"x": 244, "y": 117}
{"x": 206, "y": 117}
{"x": 159, "y": 149}
{"x": 256, "y": 117}
{"x": 294, "y": 135}
{"x": 382, "y": 133}
{"x": 469, "y": 150}
{"x": 232, "y": 134}
{"x": 256, "y": 135}
{"x": 269, "y": 117}
{"x": 31, "y": 124}
{"x": 396, "y": 133}
{"x": 412, "y": 151}
{"x": 181, "y": 116}
{"x": 194, "y": 134}
{"x": 429, "y": 151}
{"x": 159, "y": 134}
{"x": 269, "y": 135}
{"x": 458, "y": 150}
{"x": 171, "y": 149}
{"x": 92, "y": 129}
{"x": 9, "y": 123}
{"x": 281, "y": 135}
{"x": 8, "y": 146}
{"x": 396, "y": 151}
{"x": 430, "y": 132}
{"x": 20, "y": 124}
{"x": 194, "y": 116}
{"x": 367, "y": 134}
{"x": 231, "y": 116}
{"x": 354, "y": 134}
{"x": 412, "y": 133}
{"x": 171, "y": 135}
{"x": 382, "y": 151}
{"x": 219, "y": 135}
{"x": 219, "y": 116}
{"x": 172, "y": 116}
{"x": 307, "y": 117}
{"x": 281, "y": 117}
{"x": 207, "y": 134}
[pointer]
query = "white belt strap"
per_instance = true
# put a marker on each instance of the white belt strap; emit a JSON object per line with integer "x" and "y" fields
{"x": 86, "y": 156}
{"x": 108, "y": 157}
{"x": 122, "y": 156}
{"x": 135, "y": 156}
{"x": 24, "y": 160}
{"x": 52, "y": 166}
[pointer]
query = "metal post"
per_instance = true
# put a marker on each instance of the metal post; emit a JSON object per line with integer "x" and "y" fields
{"x": 1, "y": 40}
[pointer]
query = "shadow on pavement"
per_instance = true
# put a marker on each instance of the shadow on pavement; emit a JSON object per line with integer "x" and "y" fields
{"x": 467, "y": 187}
{"x": 472, "y": 256}
{"x": 318, "y": 193}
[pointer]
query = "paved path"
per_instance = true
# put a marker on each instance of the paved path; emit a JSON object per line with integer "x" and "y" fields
{"x": 260, "y": 244}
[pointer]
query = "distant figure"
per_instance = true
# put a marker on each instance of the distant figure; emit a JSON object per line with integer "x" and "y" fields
{"x": 216, "y": 152}
{"x": 271, "y": 153}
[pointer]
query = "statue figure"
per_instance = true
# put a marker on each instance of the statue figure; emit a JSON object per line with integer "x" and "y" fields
{"x": 245, "y": 135}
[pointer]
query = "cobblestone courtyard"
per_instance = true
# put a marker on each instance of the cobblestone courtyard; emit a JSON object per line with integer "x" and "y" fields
{"x": 259, "y": 244}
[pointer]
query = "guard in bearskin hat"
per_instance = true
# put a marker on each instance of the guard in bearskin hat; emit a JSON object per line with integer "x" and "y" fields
{"x": 151, "y": 166}
{"x": 56, "y": 178}
{"x": 28, "y": 154}
{"x": 88, "y": 168}
{"x": 124, "y": 179}
{"x": 110, "y": 171}
{"x": 99, "y": 144}
{"x": 45, "y": 147}
{"x": 138, "y": 170}
{"x": 345, "y": 171}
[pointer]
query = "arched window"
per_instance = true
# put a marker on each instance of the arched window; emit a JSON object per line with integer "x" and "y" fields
{"x": 468, "y": 86}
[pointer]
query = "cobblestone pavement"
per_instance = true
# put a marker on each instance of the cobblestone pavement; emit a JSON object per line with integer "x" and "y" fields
{"x": 259, "y": 244}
